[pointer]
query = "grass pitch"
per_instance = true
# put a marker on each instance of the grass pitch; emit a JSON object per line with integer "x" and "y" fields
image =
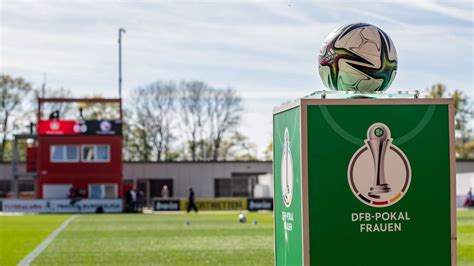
{"x": 465, "y": 225}
{"x": 21, "y": 234}
{"x": 212, "y": 239}
{"x": 162, "y": 239}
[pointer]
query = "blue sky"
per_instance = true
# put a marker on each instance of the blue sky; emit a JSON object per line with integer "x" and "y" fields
{"x": 267, "y": 50}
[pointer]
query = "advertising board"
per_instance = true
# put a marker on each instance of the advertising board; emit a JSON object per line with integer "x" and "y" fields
{"x": 61, "y": 206}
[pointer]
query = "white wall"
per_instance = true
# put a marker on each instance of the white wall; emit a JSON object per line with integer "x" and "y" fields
{"x": 199, "y": 175}
{"x": 56, "y": 191}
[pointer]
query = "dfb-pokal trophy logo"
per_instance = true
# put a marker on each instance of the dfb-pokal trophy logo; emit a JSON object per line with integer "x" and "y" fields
{"x": 287, "y": 171}
{"x": 379, "y": 173}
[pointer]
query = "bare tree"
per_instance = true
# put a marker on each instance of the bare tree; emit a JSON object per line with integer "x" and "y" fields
{"x": 12, "y": 93}
{"x": 206, "y": 117}
{"x": 192, "y": 100}
{"x": 153, "y": 108}
{"x": 209, "y": 115}
{"x": 163, "y": 103}
{"x": 224, "y": 111}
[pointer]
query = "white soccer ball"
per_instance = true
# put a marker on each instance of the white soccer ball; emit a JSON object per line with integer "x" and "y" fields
{"x": 242, "y": 218}
{"x": 358, "y": 57}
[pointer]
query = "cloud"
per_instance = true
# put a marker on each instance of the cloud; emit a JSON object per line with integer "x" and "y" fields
{"x": 462, "y": 12}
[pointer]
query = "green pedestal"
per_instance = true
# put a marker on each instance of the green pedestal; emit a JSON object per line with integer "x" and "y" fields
{"x": 364, "y": 182}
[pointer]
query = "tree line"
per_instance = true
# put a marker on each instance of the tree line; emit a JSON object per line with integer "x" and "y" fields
{"x": 172, "y": 121}
{"x": 189, "y": 120}
{"x": 163, "y": 121}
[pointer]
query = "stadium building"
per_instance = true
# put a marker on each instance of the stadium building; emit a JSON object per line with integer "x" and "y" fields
{"x": 208, "y": 179}
{"x": 77, "y": 155}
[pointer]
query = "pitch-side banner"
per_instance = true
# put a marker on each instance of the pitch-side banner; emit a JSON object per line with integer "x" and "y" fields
{"x": 260, "y": 204}
{"x": 220, "y": 204}
{"x": 203, "y": 204}
{"x": 166, "y": 204}
{"x": 61, "y": 206}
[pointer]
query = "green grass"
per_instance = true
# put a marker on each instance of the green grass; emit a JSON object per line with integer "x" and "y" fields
{"x": 465, "y": 225}
{"x": 210, "y": 239}
{"x": 19, "y": 235}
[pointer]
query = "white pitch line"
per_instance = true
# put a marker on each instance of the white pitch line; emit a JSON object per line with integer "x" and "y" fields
{"x": 41, "y": 247}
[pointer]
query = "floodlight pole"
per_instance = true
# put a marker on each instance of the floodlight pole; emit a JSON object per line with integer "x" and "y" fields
{"x": 121, "y": 30}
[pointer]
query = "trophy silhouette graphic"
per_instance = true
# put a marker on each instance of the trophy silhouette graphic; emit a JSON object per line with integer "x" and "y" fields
{"x": 287, "y": 168}
{"x": 379, "y": 140}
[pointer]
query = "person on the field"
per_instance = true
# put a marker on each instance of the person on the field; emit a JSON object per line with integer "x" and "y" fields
{"x": 469, "y": 200}
{"x": 128, "y": 201}
{"x": 165, "y": 193}
{"x": 191, "y": 203}
{"x": 133, "y": 195}
{"x": 140, "y": 200}
{"x": 73, "y": 195}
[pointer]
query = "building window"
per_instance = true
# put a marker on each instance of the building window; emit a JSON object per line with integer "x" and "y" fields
{"x": 95, "y": 191}
{"x": 239, "y": 185}
{"x": 88, "y": 153}
{"x": 103, "y": 153}
{"x": 110, "y": 191}
{"x": 222, "y": 187}
{"x": 64, "y": 153}
{"x": 5, "y": 188}
{"x": 57, "y": 153}
{"x": 103, "y": 191}
{"x": 96, "y": 153}
{"x": 72, "y": 153}
{"x": 27, "y": 189}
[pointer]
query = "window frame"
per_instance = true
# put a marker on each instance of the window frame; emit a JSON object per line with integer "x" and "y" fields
{"x": 102, "y": 190}
{"x": 79, "y": 153}
{"x": 82, "y": 153}
{"x": 64, "y": 148}
{"x": 96, "y": 147}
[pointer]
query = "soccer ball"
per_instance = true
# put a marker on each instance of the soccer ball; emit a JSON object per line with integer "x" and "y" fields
{"x": 357, "y": 57}
{"x": 242, "y": 218}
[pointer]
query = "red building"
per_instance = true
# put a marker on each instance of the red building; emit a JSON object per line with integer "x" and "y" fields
{"x": 79, "y": 154}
